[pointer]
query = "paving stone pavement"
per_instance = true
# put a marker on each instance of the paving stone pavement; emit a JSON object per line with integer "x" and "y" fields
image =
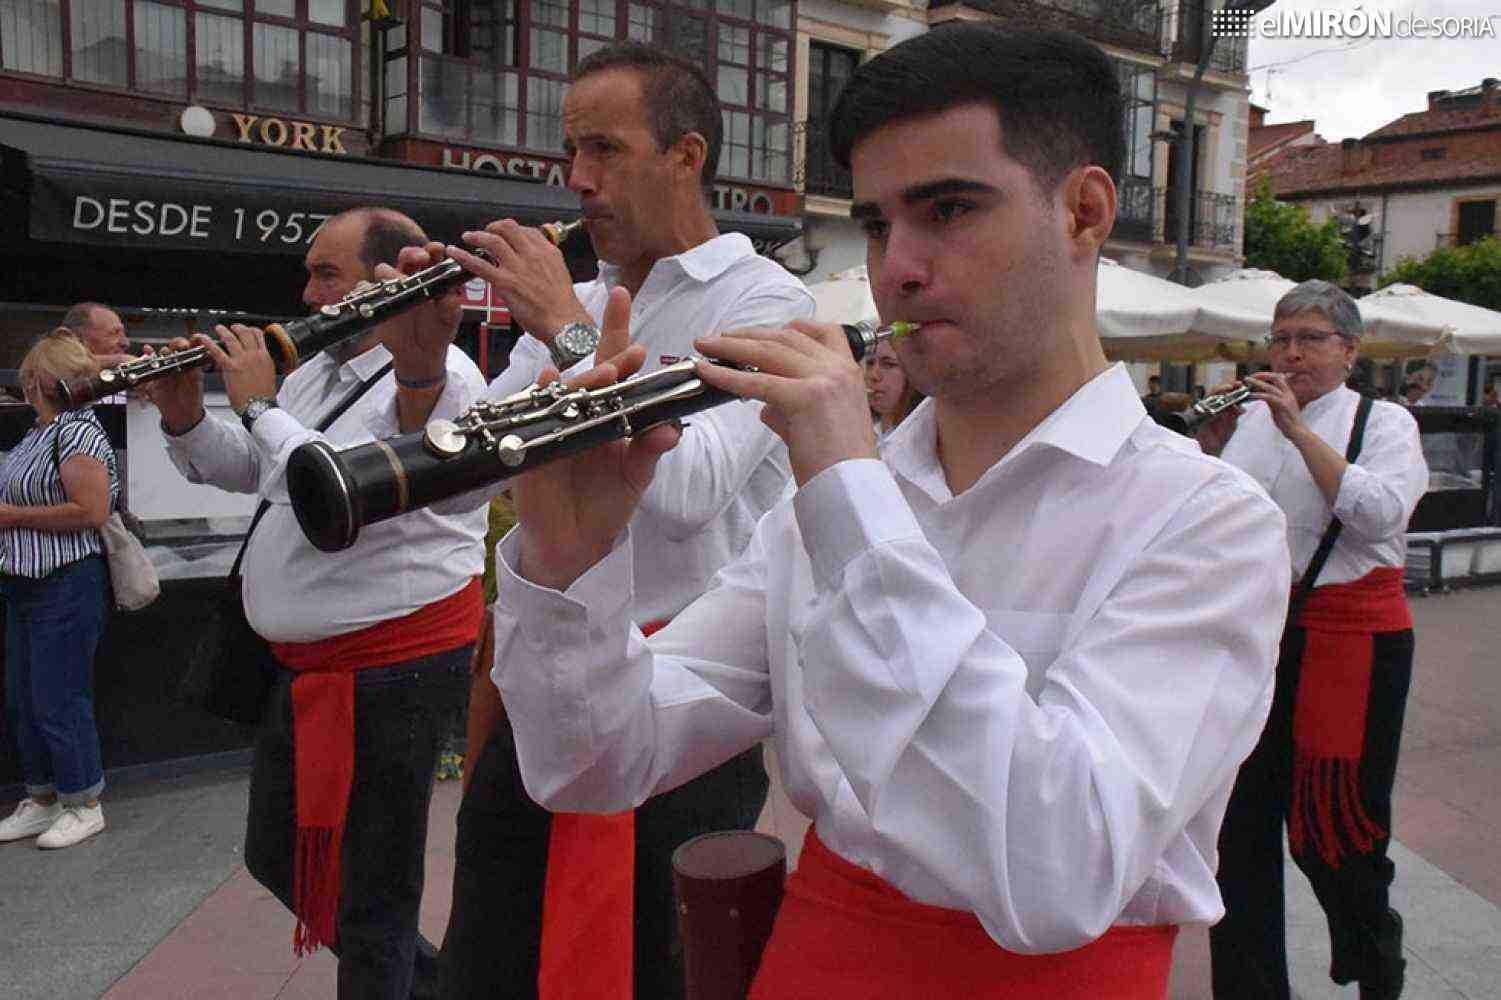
{"x": 159, "y": 906}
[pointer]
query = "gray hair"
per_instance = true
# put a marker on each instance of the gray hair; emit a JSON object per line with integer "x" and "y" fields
{"x": 1322, "y": 296}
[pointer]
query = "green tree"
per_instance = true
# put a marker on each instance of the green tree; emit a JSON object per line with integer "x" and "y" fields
{"x": 1469, "y": 273}
{"x": 1280, "y": 238}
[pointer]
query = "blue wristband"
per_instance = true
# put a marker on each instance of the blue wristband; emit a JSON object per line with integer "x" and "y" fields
{"x": 421, "y": 383}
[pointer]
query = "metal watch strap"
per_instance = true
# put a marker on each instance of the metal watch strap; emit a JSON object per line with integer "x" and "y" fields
{"x": 256, "y": 406}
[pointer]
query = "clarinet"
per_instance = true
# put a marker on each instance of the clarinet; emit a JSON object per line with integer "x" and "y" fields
{"x": 1188, "y": 421}
{"x": 292, "y": 342}
{"x": 334, "y": 491}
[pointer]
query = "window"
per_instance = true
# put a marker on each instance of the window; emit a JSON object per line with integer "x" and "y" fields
{"x": 1139, "y": 93}
{"x": 1477, "y": 220}
{"x": 495, "y": 71}
{"x": 829, "y": 69}
{"x": 291, "y": 56}
{"x": 1434, "y": 153}
{"x": 1135, "y": 217}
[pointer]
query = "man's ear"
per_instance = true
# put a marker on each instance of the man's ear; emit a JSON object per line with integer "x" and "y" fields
{"x": 1089, "y": 199}
{"x": 689, "y": 154}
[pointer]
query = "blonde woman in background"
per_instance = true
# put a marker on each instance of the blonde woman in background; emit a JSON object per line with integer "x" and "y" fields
{"x": 57, "y": 486}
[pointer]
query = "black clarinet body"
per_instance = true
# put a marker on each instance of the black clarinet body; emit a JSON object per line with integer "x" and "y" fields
{"x": 335, "y": 491}
{"x": 1187, "y": 422}
{"x": 294, "y": 341}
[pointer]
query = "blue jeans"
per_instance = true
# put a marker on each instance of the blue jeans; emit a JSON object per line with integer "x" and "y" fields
{"x": 402, "y": 715}
{"x": 52, "y": 628}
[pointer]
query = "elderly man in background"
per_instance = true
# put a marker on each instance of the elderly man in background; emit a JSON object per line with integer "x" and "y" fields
{"x": 373, "y": 643}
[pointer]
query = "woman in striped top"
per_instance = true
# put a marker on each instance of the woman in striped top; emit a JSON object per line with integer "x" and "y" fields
{"x": 56, "y": 488}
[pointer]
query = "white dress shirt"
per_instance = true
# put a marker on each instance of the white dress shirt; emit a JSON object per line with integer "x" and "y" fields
{"x": 1377, "y": 493}
{"x": 1027, "y": 701}
{"x": 294, "y": 592}
{"x": 728, "y": 469}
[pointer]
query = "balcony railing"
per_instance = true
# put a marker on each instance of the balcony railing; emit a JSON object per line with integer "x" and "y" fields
{"x": 1136, "y": 210}
{"x": 1187, "y": 33}
{"x": 1133, "y": 24}
{"x": 818, "y": 173}
{"x": 1211, "y": 218}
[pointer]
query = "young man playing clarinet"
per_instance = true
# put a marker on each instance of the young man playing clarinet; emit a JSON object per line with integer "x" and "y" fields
{"x": 1012, "y": 664}
{"x": 642, "y": 130}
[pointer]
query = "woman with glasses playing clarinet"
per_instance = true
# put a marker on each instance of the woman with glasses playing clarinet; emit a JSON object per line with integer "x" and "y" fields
{"x": 1326, "y": 760}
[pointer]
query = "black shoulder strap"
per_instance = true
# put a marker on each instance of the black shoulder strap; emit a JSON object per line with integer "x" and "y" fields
{"x": 1331, "y": 534}
{"x": 323, "y": 425}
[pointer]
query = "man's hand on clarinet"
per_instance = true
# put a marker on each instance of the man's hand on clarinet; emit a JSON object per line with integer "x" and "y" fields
{"x": 418, "y": 339}
{"x": 571, "y": 511}
{"x": 179, "y": 398}
{"x": 813, "y": 389}
{"x": 243, "y": 361}
{"x": 529, "y": 273}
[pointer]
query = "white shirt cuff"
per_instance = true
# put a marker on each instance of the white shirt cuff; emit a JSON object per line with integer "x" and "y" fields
{"x": 602, "y": 593}
{"x": 272, "y": 429}
{"x": 848, "y": 509}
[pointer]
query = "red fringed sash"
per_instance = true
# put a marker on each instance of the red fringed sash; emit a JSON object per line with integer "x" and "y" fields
{"x": 843, "y": 933}
{"x": 323, "y": 739}
{"x": 588, "y": 904}
{"x": 1329, "y": 712}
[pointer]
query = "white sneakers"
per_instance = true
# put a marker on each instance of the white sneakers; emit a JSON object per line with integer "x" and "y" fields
{"x": 58, "y": 825}
{"x": 29, "y": 819}
{"x": 77, "y": 823}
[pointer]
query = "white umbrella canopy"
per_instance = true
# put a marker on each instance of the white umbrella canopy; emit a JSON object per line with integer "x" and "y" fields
{"x": 1140, "y": 317}
{"x": 1397, "y": 323}
{"x": 1409, "y": 318}
{"x": 1145, "y": 318}
{"x": 1247, "y": 297}
{"x": 844, "y": 297}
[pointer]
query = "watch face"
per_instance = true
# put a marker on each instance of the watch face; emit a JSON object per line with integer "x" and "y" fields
{"x": 578, "y": 338}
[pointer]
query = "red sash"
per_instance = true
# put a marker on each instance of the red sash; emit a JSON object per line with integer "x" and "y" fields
{"x": 588, "y": 904}
{"x": 844, "y": 933}
{"x": 1329, "y": 712}
{"x": 323, "y": 739}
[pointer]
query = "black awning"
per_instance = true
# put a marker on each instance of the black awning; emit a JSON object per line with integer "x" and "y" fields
{"x": 126, "y": 190}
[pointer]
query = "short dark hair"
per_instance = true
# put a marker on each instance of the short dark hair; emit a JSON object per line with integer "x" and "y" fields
{"x": 80, "y": 317}
{"x": 1057, "y": 94}
{"x": 677, "y": 93}
{"x": 387, "y": 233}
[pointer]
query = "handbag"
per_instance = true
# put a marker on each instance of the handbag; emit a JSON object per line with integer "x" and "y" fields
{"x": 233, "y": 679}
{"x": 132, "y": 577}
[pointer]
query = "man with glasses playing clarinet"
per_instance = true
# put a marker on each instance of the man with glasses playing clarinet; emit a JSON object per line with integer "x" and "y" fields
{"x": 373, "y": 644}
{"x": 541, "y": 898}
{"x": 1010, "y": 665}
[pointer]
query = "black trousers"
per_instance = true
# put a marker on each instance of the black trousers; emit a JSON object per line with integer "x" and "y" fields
{"x": 1248, "y": 948}
{"x": 495, "y": 928}
{"x": 402, "y": 715}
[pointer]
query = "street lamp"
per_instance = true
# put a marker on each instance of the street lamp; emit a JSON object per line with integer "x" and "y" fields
{"x": 1181, "y": 143}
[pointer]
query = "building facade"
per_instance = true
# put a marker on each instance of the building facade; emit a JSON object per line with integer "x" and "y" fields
{"x": 159, "y": 153}
{"x": 1156, "y": 45}
{"x": 1429, "y": 179}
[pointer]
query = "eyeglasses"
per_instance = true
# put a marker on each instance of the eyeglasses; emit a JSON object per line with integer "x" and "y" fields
{"x": 1303, "y": 338}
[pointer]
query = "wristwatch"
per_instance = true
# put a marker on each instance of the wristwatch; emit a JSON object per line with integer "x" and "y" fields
{"x": 254, "y": 409}
{"x": 573, "y": 343}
